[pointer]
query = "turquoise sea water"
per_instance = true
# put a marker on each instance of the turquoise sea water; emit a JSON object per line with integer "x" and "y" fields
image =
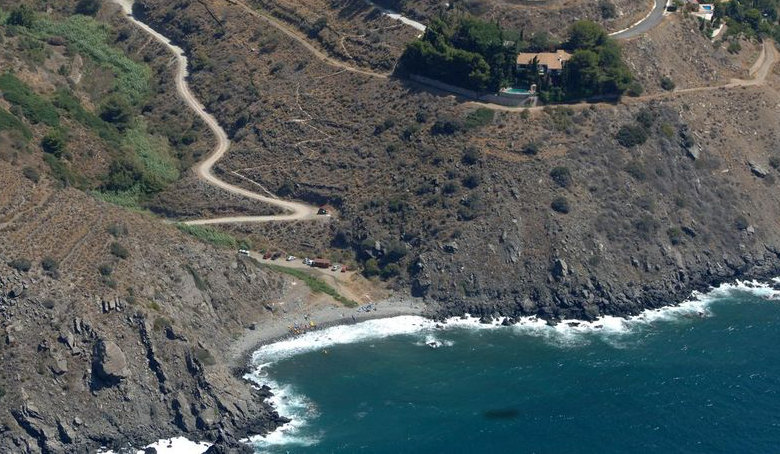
{"x": 699, "y": 379}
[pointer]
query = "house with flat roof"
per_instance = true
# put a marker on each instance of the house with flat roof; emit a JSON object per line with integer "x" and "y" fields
{"x": 546, "y": 62}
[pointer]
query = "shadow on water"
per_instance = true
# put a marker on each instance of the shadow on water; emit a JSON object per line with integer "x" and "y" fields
{"x": 501, "y": 413}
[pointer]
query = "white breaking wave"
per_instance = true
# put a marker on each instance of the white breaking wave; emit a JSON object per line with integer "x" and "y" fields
{"x": 293, "y": 405}
{"x": 565, "y": 333}
{"x": 176, "y": 445}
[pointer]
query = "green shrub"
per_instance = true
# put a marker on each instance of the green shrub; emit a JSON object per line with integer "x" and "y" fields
{"x": 88, "y": 7}
{"x": 34, "y": 108}
{"x": 646, "y": 225}
{"x": 118, "y": 250}
{"x": 116, "y": 230}
{"x": 635, "y": 89}
{"x": 205, "y": 356}
{"x": 675, "y": 235}
{"x": 667, "y": 83}
{"x": 734, "y": 47}
{"x": 200, "y": 284}
{"x": 741, "y": 223}
{"x": 61, "y": 172}
{"x": 209, "y": 235}
{"x": 471, "y": 156}
{"x": 161, "y": 323}
{"x": 65, "y": 100}
{"x": 608, "y": 9}
{"x": 667, "y": 130}
{"x": 95, "y": 41}
{"x": 314, "y": 284}
{"x": 631, "y": 135}
{"x": 774, "y": 161}
{"x": 646, "y": 118}
{"x": 50, "y": 264}
{"x": 105, "y": 270}
{"x": 390, "y": 270}
{"x": 636, "y": 169}
{"x": 117, "y": 111}
{"x": 471, "y": 181}
{"x": 446, "y": 126}
{"x": 531, "y": 148}
{"x": 371, "y": 267}
{"x": 9, "y": 122}
{"x": 31, "y": 174}
{"x": 560, "y": 205}
{"x": 20, "y": 264}
{"x": 561, "y": 176}
{"x": 479, "y": 118}
{"x": 22, "y": 16}
{"x": 53, "y": 143}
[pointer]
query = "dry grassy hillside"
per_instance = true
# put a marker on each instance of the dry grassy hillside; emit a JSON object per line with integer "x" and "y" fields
{"x": 464, "y": 215}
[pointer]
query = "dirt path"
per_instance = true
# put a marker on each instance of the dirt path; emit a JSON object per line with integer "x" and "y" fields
{"x": 294, "y": 211}
{"x": 759, "y": 72}
{"x": 305, "y": 43}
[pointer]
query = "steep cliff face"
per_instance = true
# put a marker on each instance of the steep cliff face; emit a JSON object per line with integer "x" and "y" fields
{"x": 92, "y": 358}
{"x": 562, "y": 213}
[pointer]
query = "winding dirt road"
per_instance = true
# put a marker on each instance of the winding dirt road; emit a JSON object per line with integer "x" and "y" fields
{"x": 295, "y": 211}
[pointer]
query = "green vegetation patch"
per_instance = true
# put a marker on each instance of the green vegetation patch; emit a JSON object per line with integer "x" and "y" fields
{"x": 9, "y": 122}
{"x": 751, "y": 18}
{"x": 467, "y": 52}
{"x": 93, "y": 39}
{"x": 462, "y": 51}
{"x": 209, "y": 235}
{"x": 34, "y": 107}
{"x": 159, "y": 167}
{"x": 316, "y": 285}
{"x": 65, "y": 100}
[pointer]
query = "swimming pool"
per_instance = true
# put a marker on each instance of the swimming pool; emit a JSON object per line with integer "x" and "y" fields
{"x": 516, "y": 91}
{"x": 706, "y": 7}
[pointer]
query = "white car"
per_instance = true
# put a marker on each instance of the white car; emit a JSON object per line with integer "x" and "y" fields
{"x": 290, "y": 258}
{"x": 307, "y": 261}
{"x": 243, "y": 252}
{"x": 335, "y": 267}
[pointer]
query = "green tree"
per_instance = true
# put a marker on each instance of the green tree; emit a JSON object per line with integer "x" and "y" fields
{"x": 22, "y": 16}
{"x": 53, "y": 143}
{"x": 582, "y": 74}
{"x": 585, "y": 34}
{"x": 88, "y": 7}
{"x": 117, "y": 111}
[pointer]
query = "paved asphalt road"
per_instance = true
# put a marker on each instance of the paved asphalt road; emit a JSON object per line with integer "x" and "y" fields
{"x": 655, "y": 18}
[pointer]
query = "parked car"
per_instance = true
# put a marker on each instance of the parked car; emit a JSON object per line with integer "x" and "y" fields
{"x": 307, "y": 261}
{"x": 266, "y": 256}
{"x": 344, "y": 269}
{"x": 335, "y": 268}
{"x": 290, "y": 258}
{"x": 243, "y": 252}
{"x": 322, "y": 211}
{"x": 276, "y": 255}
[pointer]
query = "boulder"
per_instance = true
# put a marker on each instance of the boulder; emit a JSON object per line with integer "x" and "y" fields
{"x": 451, "y": 247}
{"x": 757, "y": 169}
{"x": 111, "y": 363}
{"x": 560, "y": 269}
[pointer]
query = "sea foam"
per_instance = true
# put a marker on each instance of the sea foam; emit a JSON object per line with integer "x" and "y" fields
{"x": 301, "y": 410}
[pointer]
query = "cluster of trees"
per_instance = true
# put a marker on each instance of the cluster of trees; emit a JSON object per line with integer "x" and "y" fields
{"x": 750, "y": 17}
{"x": 464, "y": 51}
{"x": 596, "y": 68}
{"x": 481, "y": 56}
